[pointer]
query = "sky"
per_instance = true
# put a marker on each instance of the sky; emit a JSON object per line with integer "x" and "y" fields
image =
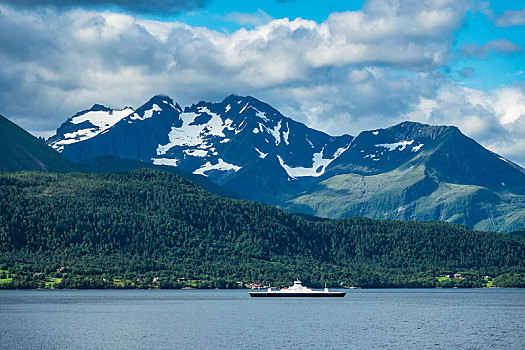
{"x": 337, "y": 66}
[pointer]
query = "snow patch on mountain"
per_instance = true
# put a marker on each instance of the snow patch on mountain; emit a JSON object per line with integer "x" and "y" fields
{"x": 275, "y": 132}
{"x": 196, "y": 152}
{"x": 261, "y": 154}
{"x": 172, "y": 105}
{"x": 286, "y": 134}
{"x": 165, "y": 161}
{"x": 215, "y": 126}
{"x": 241, "y": 126}
{"x": 310, "y": 142}
{"x": 228, "y": 124}
{"x": 243, "y": 108}
{"x": 417, "y": 148}
{"x": 394, "y": 146}
{"x": 59, "y": 145}
{"x": 221, "y": 165}
{"x": 193, "y": 135}
{"x": 318, "y": 167}
{"x": 100, "y": 121}
{"x": 260, "y": 114}
{"x": 147, "y": 114}
{"x": 187, "y": 135}
{"x": 80, "y": 135}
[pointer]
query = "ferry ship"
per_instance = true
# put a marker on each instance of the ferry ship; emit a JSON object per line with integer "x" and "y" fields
{"x": 298, "y": 290}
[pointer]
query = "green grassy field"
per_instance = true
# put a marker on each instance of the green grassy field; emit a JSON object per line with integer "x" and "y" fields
{"x": 8, "y": 278}
{"x": 51, "y": 282}
{"x": 488, "y": 281}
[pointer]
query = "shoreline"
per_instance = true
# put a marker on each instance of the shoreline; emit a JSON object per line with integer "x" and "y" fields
{"x": 249, "y": 289}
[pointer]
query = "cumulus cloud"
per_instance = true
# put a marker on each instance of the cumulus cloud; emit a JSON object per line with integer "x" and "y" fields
{"x": 499, "y": 46}
{"x": 510, "y": 18}
{"x": 356, "y": 70}
{"x": 494, "y": 118}
{"x": 137, "y": 6}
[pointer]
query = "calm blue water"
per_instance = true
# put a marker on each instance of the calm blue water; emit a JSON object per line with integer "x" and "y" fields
{"x": 198, "y": 319}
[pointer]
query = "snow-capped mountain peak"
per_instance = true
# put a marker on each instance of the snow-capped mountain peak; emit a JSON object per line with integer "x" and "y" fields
{"x": 213, "y": 139}
{"x": 248, "y": 147}
{"x": 157, "y": 105}
{"x": 87, "y": 124}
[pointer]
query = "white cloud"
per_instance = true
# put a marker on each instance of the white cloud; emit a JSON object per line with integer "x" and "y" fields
{"x": 496, "y": 118}
{"x": 356, "y": 70}
{"x": 499, "y": 46}
{"x": 510, "y": 18}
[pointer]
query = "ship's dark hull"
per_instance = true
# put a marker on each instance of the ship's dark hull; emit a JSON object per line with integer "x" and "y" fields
{"x": 297, "y": 295}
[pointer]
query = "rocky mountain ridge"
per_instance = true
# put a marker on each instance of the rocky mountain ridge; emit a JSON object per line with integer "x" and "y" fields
{"x": 410, "y": 171}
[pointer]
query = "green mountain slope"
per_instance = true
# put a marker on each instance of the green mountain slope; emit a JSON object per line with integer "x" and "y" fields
{"x": 19, "y": 150}
{"x": 152, "y": 223}
{"x": 451, "y": 179}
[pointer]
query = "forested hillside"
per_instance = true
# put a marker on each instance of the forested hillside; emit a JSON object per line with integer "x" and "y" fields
{"x": 90, "y": 230}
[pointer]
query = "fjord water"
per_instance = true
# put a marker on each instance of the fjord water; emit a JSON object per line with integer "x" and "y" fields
{"x": 212, "y": 319}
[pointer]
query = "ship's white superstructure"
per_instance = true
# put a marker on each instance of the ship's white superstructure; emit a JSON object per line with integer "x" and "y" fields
{"x": 297, "y": 290}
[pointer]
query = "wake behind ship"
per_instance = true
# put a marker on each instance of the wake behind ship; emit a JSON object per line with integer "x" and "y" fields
{"x": 297, "y": 290}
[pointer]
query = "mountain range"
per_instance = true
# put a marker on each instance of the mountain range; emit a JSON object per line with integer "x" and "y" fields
{"x": 410, "y": 171}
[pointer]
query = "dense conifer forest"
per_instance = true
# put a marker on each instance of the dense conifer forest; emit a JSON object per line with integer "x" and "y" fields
{"x": 149, "y": 228}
